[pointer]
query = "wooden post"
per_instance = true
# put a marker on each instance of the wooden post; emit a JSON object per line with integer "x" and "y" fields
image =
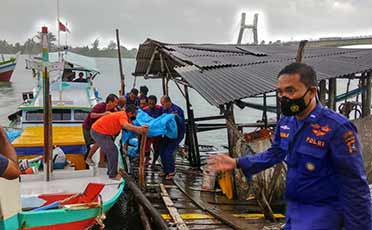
{"x": 265, "y": 110}
{"x": 300, "y": 51}
{"x": 322, "y": 91}
{"x": 122, "y": 82}
{"x": 162, "y": 72}
{"x": 47, "y": 106}
{"x": 191, "y": 132}
{"x": 232, "y": 139}
{"x": 332, "y": 92}
{"x": 141, "y": 168}
{"x": 278, "y": 111}
{"x": 366, "y": 95}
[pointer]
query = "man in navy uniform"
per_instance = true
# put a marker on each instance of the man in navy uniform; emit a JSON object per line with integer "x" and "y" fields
{"x": 326, "y": 186}
{"x": 168, "y": 146}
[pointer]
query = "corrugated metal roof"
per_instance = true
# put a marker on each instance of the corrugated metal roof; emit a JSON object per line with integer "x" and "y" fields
{"x": 225, "y": 73}
{"x": 223, "y": 85}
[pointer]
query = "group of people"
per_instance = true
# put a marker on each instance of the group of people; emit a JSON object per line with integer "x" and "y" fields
{"x": 326, "y": 185}
{"x": 106, "y": 120}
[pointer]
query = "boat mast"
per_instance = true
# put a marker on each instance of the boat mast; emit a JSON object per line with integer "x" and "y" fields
{"x": 59, "y": 32}
{"x": 47, "y": 106}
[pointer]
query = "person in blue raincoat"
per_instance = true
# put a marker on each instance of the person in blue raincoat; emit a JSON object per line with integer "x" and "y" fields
{"x": 326, "y": 185}
{"x": 167, "y": 145}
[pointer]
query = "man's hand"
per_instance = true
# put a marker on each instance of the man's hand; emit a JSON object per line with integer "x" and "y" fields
{"x": 221, "y": 162}
{"x": 143, "y": 129}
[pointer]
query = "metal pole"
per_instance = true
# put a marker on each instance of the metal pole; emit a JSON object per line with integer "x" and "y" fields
{"x": 300, "y": 51}
{"x": 122, "y": 82}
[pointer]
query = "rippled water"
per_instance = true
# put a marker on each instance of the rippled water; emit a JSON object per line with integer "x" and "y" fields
{"x": 108, "y": 82}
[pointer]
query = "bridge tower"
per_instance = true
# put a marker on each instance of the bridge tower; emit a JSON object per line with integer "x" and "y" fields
{"x": 244, "y": 26}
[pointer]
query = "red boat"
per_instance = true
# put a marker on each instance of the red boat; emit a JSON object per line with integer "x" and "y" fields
{"x": 6, "y": 68}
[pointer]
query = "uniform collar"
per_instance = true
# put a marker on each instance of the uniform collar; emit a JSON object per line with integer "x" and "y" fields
{"x": 314, "y": 115}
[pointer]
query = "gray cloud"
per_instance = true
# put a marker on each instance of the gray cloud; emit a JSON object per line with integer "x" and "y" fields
{"x": 200, "y": 21}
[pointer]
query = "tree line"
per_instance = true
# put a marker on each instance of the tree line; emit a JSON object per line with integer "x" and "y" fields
{"x": 33, "y": 46}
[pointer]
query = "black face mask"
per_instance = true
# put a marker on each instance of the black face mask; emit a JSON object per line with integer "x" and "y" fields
{"x": 133, "y": 118}
{"x": 292, "y": 107}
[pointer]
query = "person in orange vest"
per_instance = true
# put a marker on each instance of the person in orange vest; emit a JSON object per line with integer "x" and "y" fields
{"x": 107, "y": 127}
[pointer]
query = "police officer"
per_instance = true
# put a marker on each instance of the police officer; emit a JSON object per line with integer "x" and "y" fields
{"x": 326, "y": 185}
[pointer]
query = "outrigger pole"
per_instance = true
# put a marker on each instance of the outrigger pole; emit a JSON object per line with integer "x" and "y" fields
{"x": 122, "y": 83}
{"x": 47, "y": 106}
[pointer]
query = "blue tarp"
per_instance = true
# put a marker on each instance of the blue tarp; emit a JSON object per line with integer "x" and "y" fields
{"x": 13, "y": 134}
{"x": 165, "y": 125}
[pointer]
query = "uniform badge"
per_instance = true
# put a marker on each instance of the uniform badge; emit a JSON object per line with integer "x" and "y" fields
{"x": 320, "y": 131}
{"x": 294, "y": 108}
{"x": 349, "y": 139}
{"x": 310, "y": 166}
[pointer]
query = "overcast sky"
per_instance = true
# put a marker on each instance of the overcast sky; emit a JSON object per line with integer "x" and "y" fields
{"x": 176, "y": 21}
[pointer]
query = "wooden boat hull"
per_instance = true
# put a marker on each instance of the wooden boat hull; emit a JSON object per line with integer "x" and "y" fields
{"x": 6, "y": 71}
{"x": 59, "y": 219}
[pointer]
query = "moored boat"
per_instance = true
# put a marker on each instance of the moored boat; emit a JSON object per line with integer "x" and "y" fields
{"x": 7, "y": 67}
{"x": 69, "y": 197}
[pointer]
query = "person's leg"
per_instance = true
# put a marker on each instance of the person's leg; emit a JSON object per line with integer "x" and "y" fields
{"x": 162, "y": 152}
{"x": 109, "y": 148}
{"x": 102, "y": 157}
{"x": 169, "y": 162}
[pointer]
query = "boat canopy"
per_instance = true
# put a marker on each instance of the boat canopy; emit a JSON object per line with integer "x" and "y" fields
{"x": 79, "y": 61}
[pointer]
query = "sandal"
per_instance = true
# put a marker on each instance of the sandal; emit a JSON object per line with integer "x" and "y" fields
{"x": 170, "y": 176}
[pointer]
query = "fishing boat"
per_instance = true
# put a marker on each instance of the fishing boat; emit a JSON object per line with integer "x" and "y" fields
{"x": 7, "y": 67}
{"x": 71, "y": 197}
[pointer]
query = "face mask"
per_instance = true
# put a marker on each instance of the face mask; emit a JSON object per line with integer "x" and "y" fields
{"x": 133, "y": 118}
{"x": 292, "y": 107}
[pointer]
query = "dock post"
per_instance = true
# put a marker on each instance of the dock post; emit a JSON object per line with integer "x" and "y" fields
{"x": 194, "y": 155}
{"x": 366, "y": 95}
{"x": 332, "y": 94}
{"x": 322, "y": 91}
{"x": 232, "y": 139}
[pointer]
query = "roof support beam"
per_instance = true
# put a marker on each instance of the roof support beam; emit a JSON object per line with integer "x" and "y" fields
{"x": 366, "y": 95}
{"x": 332, "y": 93}
{"x": 322, "y": 91}
{"x": 151, "y": 62}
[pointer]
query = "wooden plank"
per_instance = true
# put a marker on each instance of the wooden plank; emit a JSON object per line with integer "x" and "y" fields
{"x": 141, "y": 169}
{"x": 172, "y": 210}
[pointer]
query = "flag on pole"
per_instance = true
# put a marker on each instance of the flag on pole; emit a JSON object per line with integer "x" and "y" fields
{"x": 62, "y": 27}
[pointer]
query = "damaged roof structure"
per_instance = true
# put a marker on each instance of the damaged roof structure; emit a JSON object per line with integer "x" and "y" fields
{"x": 225, "y": 73}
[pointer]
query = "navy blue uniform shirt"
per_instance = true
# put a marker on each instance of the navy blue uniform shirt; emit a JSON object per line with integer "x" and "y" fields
{"x": 325, "y": 164}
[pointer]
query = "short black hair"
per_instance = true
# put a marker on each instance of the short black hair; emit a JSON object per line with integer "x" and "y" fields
{"x": 134, "y": 91}
{"x": 131, "y": 108}
{"x": 152, "y": 97}
{"x": 166, "y": 98}
{"x": 306, "y": 72}
{"x": 111, "y": 97}
{"x": 144, "y": 89}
